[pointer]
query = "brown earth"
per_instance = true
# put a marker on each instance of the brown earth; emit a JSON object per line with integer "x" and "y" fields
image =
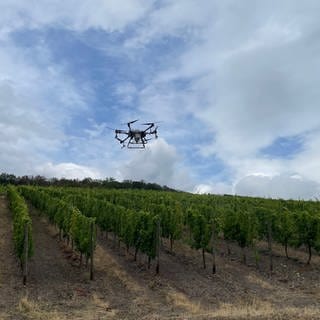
{"x": 58, "y": 288}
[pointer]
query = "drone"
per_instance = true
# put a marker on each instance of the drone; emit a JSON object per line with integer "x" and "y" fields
{"x": 134, "y": 138}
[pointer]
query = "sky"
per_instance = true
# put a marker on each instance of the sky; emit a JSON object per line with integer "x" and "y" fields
{"x": 235, "y": 85}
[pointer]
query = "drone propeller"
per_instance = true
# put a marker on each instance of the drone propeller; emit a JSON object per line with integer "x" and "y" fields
{"x": 130, "y": 122}
{"x": 150, "y": 123}
{"x": 110, "y": 128}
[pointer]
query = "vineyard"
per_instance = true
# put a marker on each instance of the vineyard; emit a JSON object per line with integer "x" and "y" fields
{"x": 161, "y": 232}
{"x": 134, "y": 217}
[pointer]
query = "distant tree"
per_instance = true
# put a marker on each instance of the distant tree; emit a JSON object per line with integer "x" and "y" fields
{"x": 88, "y": 182}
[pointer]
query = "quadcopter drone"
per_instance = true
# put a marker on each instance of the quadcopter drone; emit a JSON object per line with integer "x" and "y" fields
{"x": 136, "y": 139}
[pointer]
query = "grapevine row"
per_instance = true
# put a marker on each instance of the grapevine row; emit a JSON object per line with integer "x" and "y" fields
{"x": 22, "y": 228}
{"x": 72, "y": 224}
{"x": 201, "y": 220}
{"x": 137, "y": 229}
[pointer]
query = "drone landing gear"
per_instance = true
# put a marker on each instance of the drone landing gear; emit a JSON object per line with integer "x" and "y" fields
{"x": 136, "y": 145}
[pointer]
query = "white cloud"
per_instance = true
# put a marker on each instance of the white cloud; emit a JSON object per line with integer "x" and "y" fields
{"x": 214, "y": 188}
{"x": 96, "y": 129}
{"x": 179, "y": 18}
{"x": 155, "y": 163}
{"x": 68, "y": 170}
{"x": 159, "y": 163}
{"x": 250, "y": 72}
{"x": 254, "y": 88}
{"x": 126, "y": 91}
{"x": 283, "y": 186}
{"x": 111, "y": 15}
{"x": 35, "y": 105}
{"x": 252, "y": 78}
{"x": 306, "y": 163}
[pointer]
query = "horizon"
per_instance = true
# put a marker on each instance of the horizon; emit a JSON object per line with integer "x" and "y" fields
{"x": 147, "y": 186}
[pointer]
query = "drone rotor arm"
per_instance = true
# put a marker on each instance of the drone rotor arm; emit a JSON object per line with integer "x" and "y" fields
{"x": 122, "y": 141}
{"x": 129, "y": 123}
{"x": 148, "y": 129}
{"x": 154, "y": 131}
{"x": 119, "y": 131}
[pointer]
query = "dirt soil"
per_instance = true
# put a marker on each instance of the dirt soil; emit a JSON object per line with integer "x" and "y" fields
{"x": 58, "y": 288}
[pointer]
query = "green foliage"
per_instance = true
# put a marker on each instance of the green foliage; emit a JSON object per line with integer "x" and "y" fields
{"x": 21, "y": 218}
{"x": 3, "y": 189}
{"x": 80, "y": 230}
{"x": 68, "y": 218}
{"x": 129, "y": 213}
{"x": 230, "y": 225}
{"x": 201, "y": 231}
{"x": 307, "y": 230}
{"x": 171, "y": 218}
{"x": 266, "y": 219}
{"x": 284, "y": 232}
{"x": 134, "y": 228}
{"x": 241, "y": 227}
{"x": 147, "y": 229}
{"x": 130, "y": 234}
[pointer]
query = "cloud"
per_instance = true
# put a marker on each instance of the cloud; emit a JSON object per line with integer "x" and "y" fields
{"x": 36, "y": 104}
{"x": 159, "y": 163}
{"x": 256, "y": 85}
{"x": 156, "y": 163}
{"x": 229, "y": 80}
{"x": 25, "y": 138}
{"x": 126, "y": 91}
{"x": 217, "y": 188}
{"x": 68, "y": 170}
{"x": 108, "y": 15}
{"x": 281, "y": 186}
{"x": 177, "y": 19}
{"x": 251, "y": 80}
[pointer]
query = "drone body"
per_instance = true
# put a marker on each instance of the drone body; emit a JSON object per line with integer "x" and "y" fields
{"x": 134, "y": 138}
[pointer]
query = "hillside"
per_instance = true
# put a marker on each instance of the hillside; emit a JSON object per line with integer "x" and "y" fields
{"x": 58, "y": 288}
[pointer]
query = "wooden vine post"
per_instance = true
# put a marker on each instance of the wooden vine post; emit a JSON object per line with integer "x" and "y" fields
{"x": 213, "y": 249}
{"x": 158, "y": 234}
{"x": 25, "y": 254}
{"x": 91, "y": 248}
{"x": 270, "y": 247}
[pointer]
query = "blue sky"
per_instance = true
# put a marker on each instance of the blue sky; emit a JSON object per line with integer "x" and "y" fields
{"x": 234, "y": 84}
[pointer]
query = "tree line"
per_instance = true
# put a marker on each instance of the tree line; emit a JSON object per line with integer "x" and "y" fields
{"x": 110, "y": 183}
